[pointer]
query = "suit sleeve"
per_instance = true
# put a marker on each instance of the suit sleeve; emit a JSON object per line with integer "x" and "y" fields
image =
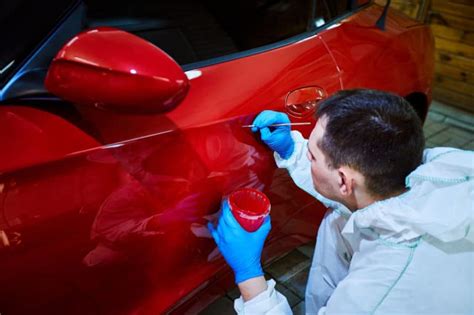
{"x": 269, "y": 302}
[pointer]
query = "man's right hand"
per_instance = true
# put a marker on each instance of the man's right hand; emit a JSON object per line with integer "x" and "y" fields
{"x": 277, "y": 138}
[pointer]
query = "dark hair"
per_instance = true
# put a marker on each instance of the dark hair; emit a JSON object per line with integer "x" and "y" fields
{"x": 376, "y": 133}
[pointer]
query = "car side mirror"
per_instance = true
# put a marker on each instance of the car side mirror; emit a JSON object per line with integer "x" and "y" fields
{"x": 112, "y": 69}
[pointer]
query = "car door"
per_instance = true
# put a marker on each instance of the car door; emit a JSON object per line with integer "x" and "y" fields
{"x": 118, "y": 225}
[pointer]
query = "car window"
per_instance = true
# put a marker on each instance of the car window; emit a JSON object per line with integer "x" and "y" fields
{"x": 328, "y": 10}
{"x": 197, "y": 30}
{"x": 25, "y": 23}
{"x": 191, "y": 30}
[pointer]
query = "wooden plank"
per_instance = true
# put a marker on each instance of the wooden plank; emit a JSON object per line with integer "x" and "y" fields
{"x": 453, "y": 7}
{"x": 466, "y": 2}
{"x": 454, "y": 85}
{"x": 454, "y": 47}
{"x": 453, "y": 34}
{"x": 407, "y": 2}
{"x": 453, "y": 98}
{"x": 454, "y": 73}
{"x": 410, "y": 8}
{"x": 397, "y": 3}
{"x": 450, "y": 20}
{"x": 448, "y": 58}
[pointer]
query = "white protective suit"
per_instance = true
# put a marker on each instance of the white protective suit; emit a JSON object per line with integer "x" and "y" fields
{"x": 411, "y": 254}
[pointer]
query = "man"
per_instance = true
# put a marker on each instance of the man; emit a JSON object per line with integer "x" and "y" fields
{"x": 398, "y": 236}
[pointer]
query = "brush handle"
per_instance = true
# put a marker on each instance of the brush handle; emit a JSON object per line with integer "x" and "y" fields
{"x": 283, "y": 124}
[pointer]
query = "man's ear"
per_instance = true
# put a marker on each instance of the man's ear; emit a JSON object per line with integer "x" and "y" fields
{"x": 345, "y": 181}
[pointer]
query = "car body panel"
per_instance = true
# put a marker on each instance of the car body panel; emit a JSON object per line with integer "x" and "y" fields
{"x": 230, "y": 89}
{"x": 30, "y": 136}
{"x": 403, "y": 52}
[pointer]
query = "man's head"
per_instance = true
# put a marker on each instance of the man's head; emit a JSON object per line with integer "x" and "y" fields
{"x": 364, "y": 145}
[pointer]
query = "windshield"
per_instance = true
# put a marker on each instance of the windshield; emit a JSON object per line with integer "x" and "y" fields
{"x": 24, "y": 24}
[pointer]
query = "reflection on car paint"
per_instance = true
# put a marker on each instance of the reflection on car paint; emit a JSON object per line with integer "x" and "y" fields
{"x": 156, "y": 196}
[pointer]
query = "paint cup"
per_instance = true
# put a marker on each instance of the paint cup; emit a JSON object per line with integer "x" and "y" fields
{"x": 250, "y": 207}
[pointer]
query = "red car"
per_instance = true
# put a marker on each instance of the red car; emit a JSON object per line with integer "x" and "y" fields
{"x": 115, "y": 153}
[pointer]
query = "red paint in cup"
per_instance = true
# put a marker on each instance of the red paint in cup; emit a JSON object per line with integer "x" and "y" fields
{"x": 250, "y": 207}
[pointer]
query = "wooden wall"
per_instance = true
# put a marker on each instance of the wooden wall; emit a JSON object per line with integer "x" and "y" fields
{"x": 452, "y": 22}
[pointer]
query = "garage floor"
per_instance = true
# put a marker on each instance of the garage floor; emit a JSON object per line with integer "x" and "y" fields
{"x": 444, "y": 126}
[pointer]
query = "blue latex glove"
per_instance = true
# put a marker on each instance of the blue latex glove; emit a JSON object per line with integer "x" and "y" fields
{"x": 241, "y": 249}
{"x": 277, "y": 138}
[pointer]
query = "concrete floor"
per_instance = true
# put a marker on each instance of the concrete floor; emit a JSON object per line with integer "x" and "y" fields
{"x": 449, "y": 127}
{"x": 445, "y": 126}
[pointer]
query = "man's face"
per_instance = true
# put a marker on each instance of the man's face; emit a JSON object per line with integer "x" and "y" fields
{"x": 325, "y": 178}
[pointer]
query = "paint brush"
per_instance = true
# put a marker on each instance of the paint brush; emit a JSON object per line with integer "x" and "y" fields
{"x": 283, "y": 124}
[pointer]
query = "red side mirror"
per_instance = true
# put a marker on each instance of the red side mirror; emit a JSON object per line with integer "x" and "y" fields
{"x": 113, "y": 69}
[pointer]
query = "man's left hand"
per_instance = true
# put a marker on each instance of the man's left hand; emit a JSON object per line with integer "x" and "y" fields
{"x": 241, "y": 249}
